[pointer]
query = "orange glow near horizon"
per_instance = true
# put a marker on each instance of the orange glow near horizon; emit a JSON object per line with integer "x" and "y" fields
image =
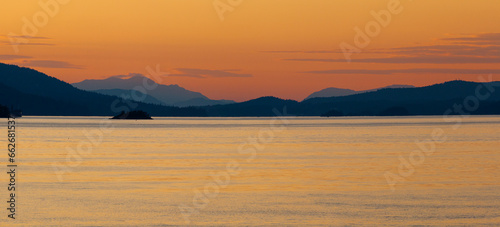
{"x": 273, "y": 41}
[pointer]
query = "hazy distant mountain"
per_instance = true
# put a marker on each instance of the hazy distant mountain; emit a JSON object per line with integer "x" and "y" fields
{"x": 167, "y": 94}
{"x": 337, "y": 92}
{"x": 38, "y": 94}
{"x": 332, "y": 92}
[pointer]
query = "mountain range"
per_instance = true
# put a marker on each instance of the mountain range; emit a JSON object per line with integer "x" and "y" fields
{"x": 170, "y": 95}
{"x": 430, "y": 100}
{"x": 39, "y": 94}
{"x": 337, "y": 92}
{"x": 174, "y": 95}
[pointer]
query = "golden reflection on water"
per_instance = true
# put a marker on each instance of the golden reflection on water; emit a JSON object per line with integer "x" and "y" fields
{"x": 318, "y": 171}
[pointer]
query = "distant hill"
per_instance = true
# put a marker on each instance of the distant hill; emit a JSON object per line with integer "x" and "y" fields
{"x": 337, "y": 92}
{"x": 32, "y": 104}
{"x": 203, "y": 102}
{"x": 38, "y": 94}
{"x": 171, "y": 95}
{"x": 260, "y": 107}
{"x": 331, "y": 92}
{"x": 145, "y": 98}
{"x": 430, "y": 100}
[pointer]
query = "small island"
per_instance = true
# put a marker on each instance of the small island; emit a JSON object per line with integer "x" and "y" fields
{"x": 133, "y": 115}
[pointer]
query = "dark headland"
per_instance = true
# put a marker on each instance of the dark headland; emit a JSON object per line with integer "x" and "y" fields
{"x": 4, "y": 112}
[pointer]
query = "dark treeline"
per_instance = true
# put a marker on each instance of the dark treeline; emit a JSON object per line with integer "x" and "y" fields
{"x": 4, "y": 112}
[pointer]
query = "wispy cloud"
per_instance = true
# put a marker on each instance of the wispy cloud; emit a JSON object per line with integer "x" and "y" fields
{"x": 301, "y": 51}
{"x": 130, "y": 75}
{"x": 411, "y": 60}
{"x": 27, "y": 44}
{"x": 470, "y": 49}
{"x": 25, "y": 37}
{"x": 447, "y": 50}
{"x": 407, "y": 71}
{"x": 25, "y": 40}
{"x": 187, "y": 75}
{"x": 50, "y": 64}
{"x": 13, "y": 57}
{"x": 204, "y": 73}
{"x": 477, "y": 39}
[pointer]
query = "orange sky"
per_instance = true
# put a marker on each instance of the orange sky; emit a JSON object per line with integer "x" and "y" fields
{"x": 261, "y": 47}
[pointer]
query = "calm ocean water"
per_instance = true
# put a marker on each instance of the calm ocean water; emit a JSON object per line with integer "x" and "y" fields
{"x": 293, "y": 171}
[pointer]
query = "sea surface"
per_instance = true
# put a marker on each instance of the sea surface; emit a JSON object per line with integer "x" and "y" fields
{"x": 369, "y": 171}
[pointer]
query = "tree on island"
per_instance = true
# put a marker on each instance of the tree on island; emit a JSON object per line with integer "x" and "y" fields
{"x": 136, "y": 114}
{"x": 4, "y": 112}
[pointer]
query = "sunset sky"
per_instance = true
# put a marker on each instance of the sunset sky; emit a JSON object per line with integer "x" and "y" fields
{"x": 283, "y": 48}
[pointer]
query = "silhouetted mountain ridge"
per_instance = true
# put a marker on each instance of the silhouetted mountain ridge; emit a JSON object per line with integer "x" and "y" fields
{"x": 259, "y": 107}
{"x": 172, "y": 95}
{"x": 38, "y": 94}
{"x": 337, "y": 92}
{"x": 443, "y": 91}
{"x": 429, "y": 100}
